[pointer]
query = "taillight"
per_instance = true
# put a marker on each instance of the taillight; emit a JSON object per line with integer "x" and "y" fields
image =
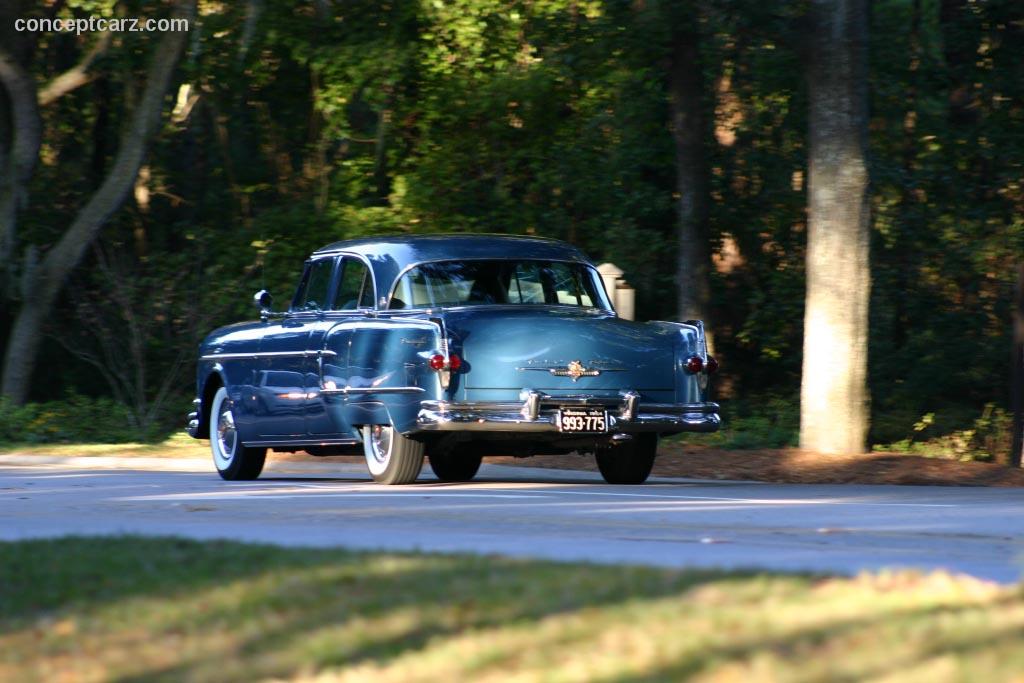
{"x": 694, "y": 364}
{"x": 439, "y": 362}
{"x": 712, "y": 365}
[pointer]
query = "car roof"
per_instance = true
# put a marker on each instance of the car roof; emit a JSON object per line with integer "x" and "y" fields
{"x": 419, "y": 248}
{"x": 389, "y": 256}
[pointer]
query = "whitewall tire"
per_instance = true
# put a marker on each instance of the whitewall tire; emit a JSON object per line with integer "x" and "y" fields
{"x": 391, "y": 457}
{"x": 234, "y": 461}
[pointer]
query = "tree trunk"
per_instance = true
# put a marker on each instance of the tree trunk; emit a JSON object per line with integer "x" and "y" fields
{"x": 686, "y": 86}
{"x": 46, "y": 280}
{"x": 834, "y": 397}
{"x": 18, "y": 161}
{"x": 1017, "y": 371}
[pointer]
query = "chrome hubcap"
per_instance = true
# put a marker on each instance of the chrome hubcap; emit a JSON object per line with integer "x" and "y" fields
{"x": 380, "y": 443}
{"x": 227, "y": 437}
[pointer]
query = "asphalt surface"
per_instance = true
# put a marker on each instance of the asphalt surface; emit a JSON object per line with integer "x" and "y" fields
{"x": 529, "y": 513}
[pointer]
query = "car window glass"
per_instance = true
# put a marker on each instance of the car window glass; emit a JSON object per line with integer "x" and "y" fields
{"x": 526, "y": 286}
{"x": 315, "y": 287}
{"x": 488, "y": 282}
{"x": 355, "y": 289}
{"x": 429, "y": 286}
{"x": 568, "y": 286}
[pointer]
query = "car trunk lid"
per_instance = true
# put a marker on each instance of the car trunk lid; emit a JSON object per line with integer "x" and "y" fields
{"x": 560, "y": 350}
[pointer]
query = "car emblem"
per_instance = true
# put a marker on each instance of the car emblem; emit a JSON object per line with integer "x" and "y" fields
{"x": 575, "y": 370}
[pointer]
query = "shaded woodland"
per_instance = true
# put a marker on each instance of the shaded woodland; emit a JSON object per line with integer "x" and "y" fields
{"x": 671, "y": 138}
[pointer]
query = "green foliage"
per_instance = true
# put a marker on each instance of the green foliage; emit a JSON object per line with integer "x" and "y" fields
{"x": 755, "y": 422}
{"x": 76, "y": 418}
{"x": 987, "y": 439}
{"x": 315, "y": 122}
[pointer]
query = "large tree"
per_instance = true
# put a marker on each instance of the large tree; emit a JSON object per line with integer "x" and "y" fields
{"x": 834, "y": 396}
{"x": 686, "y": 89}
{"x": 42, "y": 276}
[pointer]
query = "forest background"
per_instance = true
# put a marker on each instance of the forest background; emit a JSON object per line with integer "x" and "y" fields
{"x": 281, "y": 126}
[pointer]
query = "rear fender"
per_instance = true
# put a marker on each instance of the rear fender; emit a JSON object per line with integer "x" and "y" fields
{"x": 377, "y": 371}
{"x": 690, "y": 388}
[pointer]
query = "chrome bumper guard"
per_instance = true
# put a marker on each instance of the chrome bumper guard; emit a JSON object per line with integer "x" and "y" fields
{"x": 538, "y": 413}
{"x": 193, "y": 420}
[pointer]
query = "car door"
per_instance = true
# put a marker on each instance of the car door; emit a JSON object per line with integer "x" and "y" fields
{"x": 280, "y": 388}
{"x": 353, "y": 302}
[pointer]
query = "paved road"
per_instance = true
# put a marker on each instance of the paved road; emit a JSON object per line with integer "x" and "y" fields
{"x": 532, "y": 513}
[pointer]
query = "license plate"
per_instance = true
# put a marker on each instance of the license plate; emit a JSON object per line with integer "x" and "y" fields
{"x": 586, "y": 420}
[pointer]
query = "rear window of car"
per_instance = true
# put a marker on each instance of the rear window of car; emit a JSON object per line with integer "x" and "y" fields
{"x": 501, "y": 282}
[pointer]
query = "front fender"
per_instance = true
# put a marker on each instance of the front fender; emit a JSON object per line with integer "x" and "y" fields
{"x": 209, "y": 378}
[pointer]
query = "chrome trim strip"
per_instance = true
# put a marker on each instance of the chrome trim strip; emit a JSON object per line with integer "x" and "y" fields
{"x": 267, "y": 354}
{"x": 304, "y": 442}
{"x": 373, "y": 390}
{"x": 563, "y": 372}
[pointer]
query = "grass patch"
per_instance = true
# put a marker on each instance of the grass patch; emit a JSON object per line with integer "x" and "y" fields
{"x": 178, "y": 445}
{"x": 133, "y": 609}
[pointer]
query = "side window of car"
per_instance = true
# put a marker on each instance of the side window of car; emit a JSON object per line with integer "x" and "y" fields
{"x": 315, "y": 286}
{"x": 356, "y": 287}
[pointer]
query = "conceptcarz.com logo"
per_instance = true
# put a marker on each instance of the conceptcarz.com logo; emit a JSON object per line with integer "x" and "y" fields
{"x": 100, "y": 24}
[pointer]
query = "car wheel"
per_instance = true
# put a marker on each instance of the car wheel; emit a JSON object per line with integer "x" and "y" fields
{"x": 391, "y": 457}
{"x": 628, "y": 463}
{"x": 454, "y": 464}
{"x": 233, "y": 460}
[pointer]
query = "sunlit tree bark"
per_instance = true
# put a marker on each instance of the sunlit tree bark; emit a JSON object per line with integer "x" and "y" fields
{"x": 834, "y": 396}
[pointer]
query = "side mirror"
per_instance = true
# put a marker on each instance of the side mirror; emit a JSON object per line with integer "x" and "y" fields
{"x": 263, "y": 301}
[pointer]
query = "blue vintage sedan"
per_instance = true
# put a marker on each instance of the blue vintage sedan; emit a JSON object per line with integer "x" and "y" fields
{"x": 454, "y": 347}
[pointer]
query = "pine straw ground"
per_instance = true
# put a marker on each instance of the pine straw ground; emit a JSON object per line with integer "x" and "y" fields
{"x": 783, "y": 465}
{"x": 790, "y": 465}
{"x": 677, "y": 458}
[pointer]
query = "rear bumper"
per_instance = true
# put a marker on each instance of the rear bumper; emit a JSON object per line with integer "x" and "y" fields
{"x": 537, "y": 413}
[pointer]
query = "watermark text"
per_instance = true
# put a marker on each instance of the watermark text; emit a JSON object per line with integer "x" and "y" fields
{"x": 100, "y": 24}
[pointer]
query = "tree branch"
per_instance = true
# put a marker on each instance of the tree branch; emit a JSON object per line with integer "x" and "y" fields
{"x": 23, "y": 339}
{"x": 76, "y": 76}
{"x": 134, "y": 144}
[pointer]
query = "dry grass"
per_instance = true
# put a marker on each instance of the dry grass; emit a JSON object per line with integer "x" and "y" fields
{"x": 176, "y": 446}
{"x": 132, "y": 609}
